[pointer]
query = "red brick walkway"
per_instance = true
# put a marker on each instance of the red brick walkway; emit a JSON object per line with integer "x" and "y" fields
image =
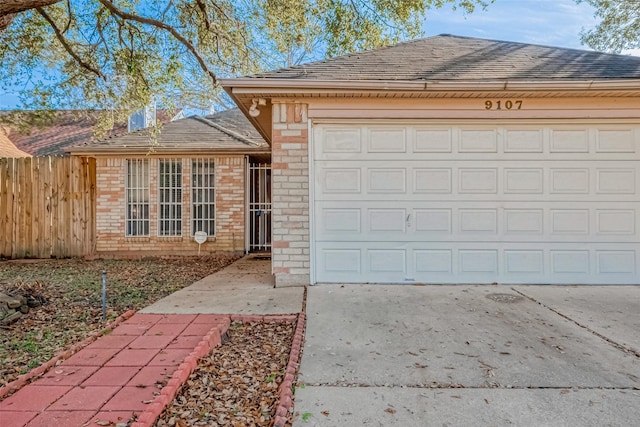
{"x": 115, "y": 377}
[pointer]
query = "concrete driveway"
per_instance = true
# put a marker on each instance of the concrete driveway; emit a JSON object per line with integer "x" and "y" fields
{"x": 470, "y": 356}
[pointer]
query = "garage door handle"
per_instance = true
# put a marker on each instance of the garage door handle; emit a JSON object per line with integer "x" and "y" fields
{"x": 408, "y": 220}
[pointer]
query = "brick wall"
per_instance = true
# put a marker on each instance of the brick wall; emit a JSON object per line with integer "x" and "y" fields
{"x": 110, "y": 210}
{"x": 290, "y": 195}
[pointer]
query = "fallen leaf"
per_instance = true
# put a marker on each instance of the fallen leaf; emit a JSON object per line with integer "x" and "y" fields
{"x": 390, "y": 410}
{"x": 325, "y": 413}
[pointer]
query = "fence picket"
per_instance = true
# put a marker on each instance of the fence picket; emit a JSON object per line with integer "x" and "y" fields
{"x": 47, "y": 207}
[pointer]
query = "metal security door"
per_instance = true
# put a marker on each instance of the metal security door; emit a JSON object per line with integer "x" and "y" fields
{"x": 259, "y": 207}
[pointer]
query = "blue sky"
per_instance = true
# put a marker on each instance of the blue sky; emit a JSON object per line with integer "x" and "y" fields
{"x": 546, "y": 22}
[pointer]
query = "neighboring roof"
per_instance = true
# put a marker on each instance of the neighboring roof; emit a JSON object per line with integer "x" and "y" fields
{"x": 7, "y": 148}
{"x": 448, "y": 57}
{"x": 227, "y": 131}
{"x": 68, "y": 128}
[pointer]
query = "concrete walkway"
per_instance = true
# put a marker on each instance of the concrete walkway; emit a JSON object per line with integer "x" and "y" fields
{"x": 245, "y": 287}
{"x": 470, "y": 355}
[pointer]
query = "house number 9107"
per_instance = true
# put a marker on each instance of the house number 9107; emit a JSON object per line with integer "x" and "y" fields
{"x": 502, "y": 105}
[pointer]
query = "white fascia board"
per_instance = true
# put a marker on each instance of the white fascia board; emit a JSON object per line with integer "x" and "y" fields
{"x": 258, "y": 85}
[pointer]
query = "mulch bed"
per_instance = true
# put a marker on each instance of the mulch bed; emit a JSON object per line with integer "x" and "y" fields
{"x": 237, "y": 383}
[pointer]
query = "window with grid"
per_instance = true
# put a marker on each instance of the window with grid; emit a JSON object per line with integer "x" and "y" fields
{"x": 170, "y": 197}
{"x": 137, "y": 197}
{"x": 203, "y": 196}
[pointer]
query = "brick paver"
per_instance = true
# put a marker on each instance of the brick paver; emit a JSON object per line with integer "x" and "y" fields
{"x": 110, "y": 418}
{"x": 112, "y": 379}
{"x": 116, "y": 375}
{"x": 16, "y": 418}
{"x": 61, "y": 418}
{"x": 132, "y": 399}
{"x": 67, "y": 375}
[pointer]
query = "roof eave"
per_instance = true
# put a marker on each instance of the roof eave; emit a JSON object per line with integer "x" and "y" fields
{"x": 150, "y": 150}
{"x": 257, "y": 85}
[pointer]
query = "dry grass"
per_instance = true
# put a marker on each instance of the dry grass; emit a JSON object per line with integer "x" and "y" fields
{"x": 71, "y": 294}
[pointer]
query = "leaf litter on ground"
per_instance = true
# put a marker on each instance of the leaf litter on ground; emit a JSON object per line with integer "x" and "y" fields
{"x": 68, "y": 296}
{"x": 237, "y": 384}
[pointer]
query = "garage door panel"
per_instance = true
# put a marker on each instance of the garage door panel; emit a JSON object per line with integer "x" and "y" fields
{"x": 386, "y": 181}
{"x": 385, "y": 220}
{"x": 429, "y": 220}
{"x": 616, "y": 181}
{"x": 523, "y": 141}
{"x": 616, "y": 221}
{"x": 384, "y": 140}
{"x": 616, "y": 141}
{"x": 518, "y": 262}
{"x": 569, "y": 141}
{"x": 581, "y": 222}
{"x": 523, "y": 180}
{"x": 432, "y": 180}
{"x": 477, "y": 180}
{"x": 433, "y": 141}
{"x": 478, "y": 142}
{"x": 468, "y": 262}
{"x": 474, "y": 221}
{"x": 476, "y": 203}
{"x": 526, "y": 181}
{"x": 616, "y": 262}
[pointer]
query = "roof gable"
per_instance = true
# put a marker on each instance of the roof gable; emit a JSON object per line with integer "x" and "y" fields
{"x": 447, "y": 57}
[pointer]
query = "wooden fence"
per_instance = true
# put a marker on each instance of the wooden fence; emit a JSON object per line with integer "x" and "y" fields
{"x": 47, "y": 207}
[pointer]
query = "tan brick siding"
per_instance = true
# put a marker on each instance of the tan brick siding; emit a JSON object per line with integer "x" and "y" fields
{"x": 290, "y": 194}
{"x": 110, "y": 210}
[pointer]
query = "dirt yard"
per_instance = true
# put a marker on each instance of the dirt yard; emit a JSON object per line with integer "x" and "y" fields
{"x": 66, "y": 300}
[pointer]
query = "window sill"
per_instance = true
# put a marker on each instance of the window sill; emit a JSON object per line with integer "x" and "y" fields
{"x": 138, "y": 238}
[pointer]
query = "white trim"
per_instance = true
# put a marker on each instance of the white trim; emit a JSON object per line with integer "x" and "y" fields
{"x": 247, "y": 219}
{"x": 312, "y": 228}
{"x": 273, "y": 85}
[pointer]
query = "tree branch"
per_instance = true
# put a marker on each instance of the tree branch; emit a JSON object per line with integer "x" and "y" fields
{"x": 9, "y": 7}
{"x": 5, "y": 21}
{"x": 205, "y": 15}
{"x": 66, "y": 45}
{"x": 159, "y": 24}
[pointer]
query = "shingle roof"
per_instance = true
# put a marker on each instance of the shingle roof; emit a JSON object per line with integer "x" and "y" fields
{"x": 68, "y": 128}
{"x": 447, "y": 57}
{"x": 7, "y": 148}
{"x": 227, "y": 130}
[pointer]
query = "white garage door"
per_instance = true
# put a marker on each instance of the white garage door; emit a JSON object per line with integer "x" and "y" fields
{"x": 541, "y": 203}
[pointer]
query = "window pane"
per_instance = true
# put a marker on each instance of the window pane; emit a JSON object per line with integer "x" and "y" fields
{"x": 203, "y": 196}
{"x": 170, "y": 197}
{"x": 137, "y": 197}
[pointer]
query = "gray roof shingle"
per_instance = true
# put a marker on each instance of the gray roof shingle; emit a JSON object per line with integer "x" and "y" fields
{"x": 447, "y": 57}
{"x": 226, "y": 130}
